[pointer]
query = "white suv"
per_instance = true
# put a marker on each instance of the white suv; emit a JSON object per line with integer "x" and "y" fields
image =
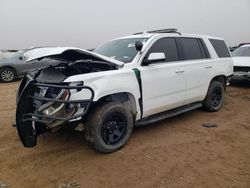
{"x": 127, "y": 82}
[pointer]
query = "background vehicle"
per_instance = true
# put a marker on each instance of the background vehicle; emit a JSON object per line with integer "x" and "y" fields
{"x": 241, "y": 61}
{"x": 232, "y": 48}
{"x": 133, "y": 80}
{"x": 13, "y": 64}
{"x": 7, "y": 59}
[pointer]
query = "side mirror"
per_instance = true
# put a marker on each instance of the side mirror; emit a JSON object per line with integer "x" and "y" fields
{"x": 138, "y": 46}
{"x": 156, "y": 57}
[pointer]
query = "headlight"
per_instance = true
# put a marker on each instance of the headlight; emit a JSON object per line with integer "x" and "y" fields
{"x": 80, "y": 83}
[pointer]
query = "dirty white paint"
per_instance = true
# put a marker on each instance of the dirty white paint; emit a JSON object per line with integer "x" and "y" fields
{"x": 88, "y": 23}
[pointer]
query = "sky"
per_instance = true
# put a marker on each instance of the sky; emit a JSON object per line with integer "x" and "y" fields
{"x": 89, "y": 23}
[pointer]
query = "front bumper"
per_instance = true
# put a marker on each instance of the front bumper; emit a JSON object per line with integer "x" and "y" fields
{"x": 30, "y": 121}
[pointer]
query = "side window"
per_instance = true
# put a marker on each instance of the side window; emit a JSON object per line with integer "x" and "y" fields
{"x": 192, "y": 48}
{"x": 220, "y": 48}
{"x": 167, "y": 46}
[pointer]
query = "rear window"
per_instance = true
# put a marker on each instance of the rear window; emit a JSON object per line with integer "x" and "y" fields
{"x": 220, "y": 48}
{"x": 193, "y": 48}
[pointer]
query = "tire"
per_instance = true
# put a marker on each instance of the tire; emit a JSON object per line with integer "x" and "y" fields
{"x": 7, "y": 75}
{"x": 109, "y": 127}
{"x": 215, "y": 96}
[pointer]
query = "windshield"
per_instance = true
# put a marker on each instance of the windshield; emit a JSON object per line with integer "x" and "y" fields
{"x": 121, "y": 49}
{"x": 242, "y": 51}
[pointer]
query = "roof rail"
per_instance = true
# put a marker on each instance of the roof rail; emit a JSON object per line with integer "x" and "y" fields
{"x": 170, "y": 30}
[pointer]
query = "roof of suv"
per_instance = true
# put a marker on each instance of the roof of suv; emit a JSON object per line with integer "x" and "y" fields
{"x": 168, "y": 33}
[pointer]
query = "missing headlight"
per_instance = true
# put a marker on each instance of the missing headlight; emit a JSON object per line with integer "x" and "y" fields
{"x": 50, "y": 108}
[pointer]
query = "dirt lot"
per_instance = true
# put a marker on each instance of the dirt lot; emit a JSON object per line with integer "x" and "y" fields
{"x": 177, "y": 152}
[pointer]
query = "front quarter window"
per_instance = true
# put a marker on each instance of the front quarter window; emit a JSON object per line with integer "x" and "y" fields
{"x": 120, "y": 49}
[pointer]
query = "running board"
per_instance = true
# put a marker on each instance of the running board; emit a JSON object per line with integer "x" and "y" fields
{"x": 170, "y": 113}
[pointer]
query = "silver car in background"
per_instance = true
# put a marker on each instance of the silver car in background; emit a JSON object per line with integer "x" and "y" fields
{"x": 14, "y": 64}
{"x": 10, "y": 61}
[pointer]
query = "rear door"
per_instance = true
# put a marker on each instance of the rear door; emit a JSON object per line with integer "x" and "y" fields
{"x": 198, "y": 67}
{"x": 163, "y": 83}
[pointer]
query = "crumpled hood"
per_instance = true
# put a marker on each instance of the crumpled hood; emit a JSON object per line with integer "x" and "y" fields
{"x": 43, "y": 52}
{"x": 241, "y": 61}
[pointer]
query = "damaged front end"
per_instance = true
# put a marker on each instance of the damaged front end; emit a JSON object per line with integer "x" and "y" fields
{"x": 45, "y": 102}
{"x": 43, "y": 107}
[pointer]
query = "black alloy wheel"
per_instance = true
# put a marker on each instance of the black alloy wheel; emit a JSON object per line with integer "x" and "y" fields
{"x": 114, "y": 128}
{"x": 216, "y": 96}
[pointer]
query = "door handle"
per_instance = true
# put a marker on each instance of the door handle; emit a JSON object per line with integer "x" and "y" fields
{"x": 208, "y": 67}
{"x": 178, "y": 72}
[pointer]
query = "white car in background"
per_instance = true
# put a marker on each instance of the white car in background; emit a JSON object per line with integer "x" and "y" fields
{"x": 241, "y": 61}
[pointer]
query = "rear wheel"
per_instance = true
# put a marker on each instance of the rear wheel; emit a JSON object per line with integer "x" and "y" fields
{"x": 7, "y": 75}
{"x": 109, "y": 127}
{"x": 215, "y": 96}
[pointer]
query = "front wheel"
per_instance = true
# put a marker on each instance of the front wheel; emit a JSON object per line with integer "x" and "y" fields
{"x": 215, "y": 96}
{"x": 109, "y": 127}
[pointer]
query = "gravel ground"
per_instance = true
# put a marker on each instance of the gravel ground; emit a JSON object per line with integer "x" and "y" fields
{"x": 176, "y": 152}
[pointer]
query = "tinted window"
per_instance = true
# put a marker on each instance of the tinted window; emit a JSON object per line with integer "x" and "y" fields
{"x": 191, "y": 48}
{"x": 220, "y": 47}
{"x": 168, "y": 47}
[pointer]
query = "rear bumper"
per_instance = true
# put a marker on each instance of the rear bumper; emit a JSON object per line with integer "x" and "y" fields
{"x": 31, "y": 122}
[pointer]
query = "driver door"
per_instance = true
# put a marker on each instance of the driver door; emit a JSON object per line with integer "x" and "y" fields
{"x": 163, "y": 82}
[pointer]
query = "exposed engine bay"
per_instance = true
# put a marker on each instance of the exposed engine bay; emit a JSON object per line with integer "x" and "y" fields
{"x": 72, "y": 62}
{"x": 44, "y": 99}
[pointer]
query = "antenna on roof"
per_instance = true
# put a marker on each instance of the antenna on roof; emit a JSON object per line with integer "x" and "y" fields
{"x": 170, "y": 30}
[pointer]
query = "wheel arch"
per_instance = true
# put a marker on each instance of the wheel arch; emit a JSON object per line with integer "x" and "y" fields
{"x": 124, "y": 97}
{"x": 9, "y": 67}
{"x": 221, "y": 78}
